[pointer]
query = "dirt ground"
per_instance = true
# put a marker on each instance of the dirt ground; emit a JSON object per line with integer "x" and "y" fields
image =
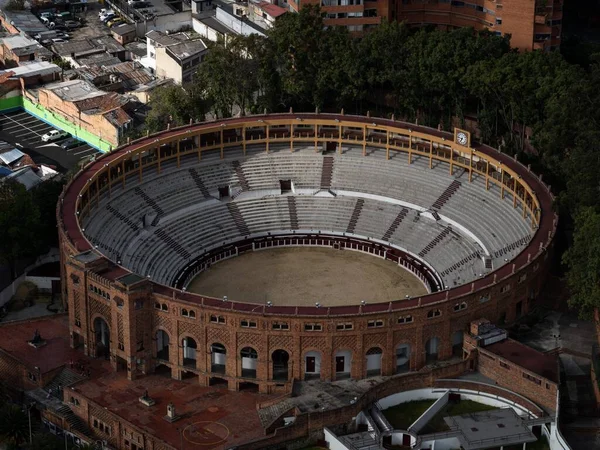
{"x": 303, "y": 276}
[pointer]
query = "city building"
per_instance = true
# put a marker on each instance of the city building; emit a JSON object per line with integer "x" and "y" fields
{"x": 532, "y": 24}
{"x": 16, "y": 49}
{"x": 81, "y": 107}
{"x": 176, "y": 56}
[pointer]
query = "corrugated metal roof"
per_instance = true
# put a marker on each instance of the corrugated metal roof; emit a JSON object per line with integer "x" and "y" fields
{"x": 26, "y": 177}
{"x": 11, "y": 156}
{"x": 4, "y": 171}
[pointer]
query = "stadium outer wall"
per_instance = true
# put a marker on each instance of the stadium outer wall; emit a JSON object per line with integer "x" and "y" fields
{"x": 134, "y": 308}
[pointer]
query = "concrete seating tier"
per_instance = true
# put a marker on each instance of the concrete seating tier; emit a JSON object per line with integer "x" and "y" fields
{"x": 157, "y": 226}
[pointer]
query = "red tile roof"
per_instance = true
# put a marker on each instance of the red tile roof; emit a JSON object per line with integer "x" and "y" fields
{"x": 271, "y": 9}
{"x": 212, "y": 418}
{"x": 537, "y": 362}
{"x": 14, "y": 339}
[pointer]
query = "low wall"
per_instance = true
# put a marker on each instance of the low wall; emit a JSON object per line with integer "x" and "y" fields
{"x": 12, "y": 100}
{"x": 316, "y": 421}
{"x": 64, "y": 124}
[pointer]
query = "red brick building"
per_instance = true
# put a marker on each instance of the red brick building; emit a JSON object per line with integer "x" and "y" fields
{"x": 533, "y": 25}
{"x": 142, "y": 325}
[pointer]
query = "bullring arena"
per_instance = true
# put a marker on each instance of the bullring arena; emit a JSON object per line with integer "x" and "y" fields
{"x": 258, "y": 250}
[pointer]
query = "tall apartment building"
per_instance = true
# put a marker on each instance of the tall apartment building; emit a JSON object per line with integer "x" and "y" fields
{"x": 357, "y": 15}
{"x": 533, "y": 24}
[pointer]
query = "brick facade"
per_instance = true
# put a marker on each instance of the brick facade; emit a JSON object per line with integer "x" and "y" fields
{"x": 532, "y": 24}
{"x": 134, "y": 315}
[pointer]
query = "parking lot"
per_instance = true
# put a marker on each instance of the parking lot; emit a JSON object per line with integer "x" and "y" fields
{"x": 25, "y": 132}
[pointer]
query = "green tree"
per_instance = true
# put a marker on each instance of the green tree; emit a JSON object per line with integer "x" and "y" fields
{"x": 45, "y": 196}
{"x": 20, "y": 224}
{"x": 175, "y": 106}
{"x": 14, "y": 425}
{"x": 583, "y": 262}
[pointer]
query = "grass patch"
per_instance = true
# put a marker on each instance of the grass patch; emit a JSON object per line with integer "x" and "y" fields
{"x": 403, "y": 415}
{"x": 540, "y": 444}
{"x": 437, "y": 424}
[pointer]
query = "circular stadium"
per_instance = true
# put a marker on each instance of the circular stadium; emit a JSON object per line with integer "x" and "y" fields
{"x": 263, "y": 249}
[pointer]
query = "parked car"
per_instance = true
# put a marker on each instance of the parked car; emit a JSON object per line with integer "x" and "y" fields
{"x": 104, "y": 13}
{"x": 108, "y": 18}
{"x": 116, "y": 22}
{"x": 111, "y": 22}
{"x": 70, "y": 143}
{"x": 54, "y": 135}
{"x": 71, "y": 24}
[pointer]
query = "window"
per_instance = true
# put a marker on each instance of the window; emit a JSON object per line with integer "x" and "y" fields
{"x": 101, "y": 426}
{"x": 405, "y": 319}
{"x": 505, "y": 288}
{"x": 74, "y": 401}
{"x": 184, "y": 312}
{"x": 217, "y": 319}
{"x": 192, "y": 314}
{"x": 164, "y": 307}
{"x": 78, "y": 323}
{"x": 313, "y": 327}
{"x": 498, "y": 21}
{"x": 344, "y": 326}
{"x": 157, "y": 305}
{"x": 522, "y": 278}
{"x": 484, "y": 298}
{"x": 460, "y": 306}
{"x": 121, "y": 346}
{"x": 504, "y": 365}
{"x": 434, "y": 313}
{"x": 532, "y": 378}
{"x": 280, "y": 326}
{"x": 374, "y": 323}
{"x": 31, "y": 376}
{"x": 245, "y": 323}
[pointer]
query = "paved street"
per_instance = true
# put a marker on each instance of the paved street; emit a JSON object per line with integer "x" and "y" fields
{"x": 25, "y": 132}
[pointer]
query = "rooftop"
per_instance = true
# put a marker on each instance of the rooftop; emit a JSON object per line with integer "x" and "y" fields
{"x": 54, "y": 330}
{"x": 30, "y": 69}
{"x": 211, "y": 417}
{"x": 102, "y": 59}
{"x": 87, "y": 46}
{"x": 123, "y": 29}
{"x": 271, "y": 9}
{"x": 74, "y": 90}
{"x": 490, "y": 429}
{"x": 139, "y": 49}
{"x": 539, "y": 363}
{"x": 23, "y": 45}
{"x": 186, "y": 49}
{"x": 211, "y": 22}
{"x": 25, "y": 21}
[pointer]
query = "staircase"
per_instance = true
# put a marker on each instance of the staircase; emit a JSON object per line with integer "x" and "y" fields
{"x": 271, "y": 413}
{"x": 327, "y": 172}
{"x": 240, "y": 174}
{"x": 293, "y": 212}
{"x": 122, "y": 217}
{"x": 397, "y": 221}
{"x": 199, "y": 182}
{"x": 240, "y": 223}
{"x": 439, "y": 238}
{"x": 75, "y": 423}
{"x": 172, "y": 243}
{"x": 64, "y": 378}
{"x": 355, "y": 215}
{"x": 150, "y": 201}
{"x": 449, "y": 192}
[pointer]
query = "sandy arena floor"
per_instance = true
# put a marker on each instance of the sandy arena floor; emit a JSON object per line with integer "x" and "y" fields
{"x": 303, "y": 276}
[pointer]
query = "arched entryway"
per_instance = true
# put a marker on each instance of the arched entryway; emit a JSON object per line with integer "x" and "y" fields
{"x": 162, "y": 345}
{"x": 431, "y": 349}
{"x": 343, "y": 364}
{"x": 280, "y": 365}
{"x": 102, "y": 336}
{"x": 189, "y": 351}
{"x": 249, "y": 359}
{"x": 457, "y": 343}
{"x": 402, "y": 358}
{"x": 218, "y": 358}
{"x": 312, "y": 365}
{"x": 374, "y": 355}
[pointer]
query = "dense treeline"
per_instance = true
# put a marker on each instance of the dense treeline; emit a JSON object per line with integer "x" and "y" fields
{"x": 430, "y": 76}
